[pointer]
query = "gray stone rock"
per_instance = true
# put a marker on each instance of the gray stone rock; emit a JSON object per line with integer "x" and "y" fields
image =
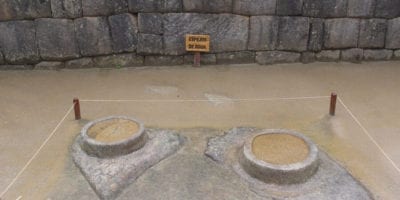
{"x": 16, "y": 67}
{"x": 93, "y": 36}
{"x": 377, "y": 54}
{"x": 263, "y": 33}
{"x": 79, "y": 63}
{"x": 236, "y": 57}
{"x": 387, "y": 8}
{"x": 331, "y": 181}
{"x": 163, "y": 60}
{"x": 151, "y": 23}
{"x": 150, "y": 44}
{"x": 328, "y": 55}
{"x": 271, "y": 57}
{"x": 140, "y": 6}
{"x": 118, "y": 61}
{"x": 6, "y": 10}
{"x": 289, "y": 7}
{"x": 325, "y": 8}
{"x": 372, "y": 33}
{"x": 293, "y": 33}
{"x": 254, "y": 7}
{"x": 56, "y": 39}
{"x": 110, "y": 176}
{"x": 1, "y": 58}
{"x": 393, "y": 34}
{"x": 353, "y": 55}
{"x": 205, "y": 59}
{"x": 227, "y": 32}
{"x": 361, "y": 8}
{"x": 308, "y": 57}
{"x": 396, "y": 55}
{"x": 341, "y": 33}
{"x": 316, "y": 38}
{"x": 124, "y": 32}
{"x": 66, "y": 8}
{"x": 18, "y": 42}
{"x": 45, "y": 65}
{"x": 103, "y": 7}
{"x": 208, "y": 6}
{"x": 24, "y": 9}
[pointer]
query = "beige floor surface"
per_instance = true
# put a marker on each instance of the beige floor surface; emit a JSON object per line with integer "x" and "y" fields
{"x": 33, "y": 103}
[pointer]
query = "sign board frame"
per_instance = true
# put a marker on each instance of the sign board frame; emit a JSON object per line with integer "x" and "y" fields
{"x": 197, "y": 43}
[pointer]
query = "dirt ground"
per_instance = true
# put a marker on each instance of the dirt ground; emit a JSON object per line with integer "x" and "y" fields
{"x": 363, "y": 136}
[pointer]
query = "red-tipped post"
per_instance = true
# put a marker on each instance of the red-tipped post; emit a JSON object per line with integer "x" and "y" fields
{"x": 197, "y": 59}
{"x": 332, "y": 108}
{"x": 77, "y": 109}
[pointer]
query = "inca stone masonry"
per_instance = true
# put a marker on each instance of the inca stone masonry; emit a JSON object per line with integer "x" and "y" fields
{"x": 54, "y": 34}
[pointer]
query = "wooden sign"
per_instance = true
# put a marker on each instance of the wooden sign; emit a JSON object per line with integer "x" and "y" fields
{"x": 198, "y": 43}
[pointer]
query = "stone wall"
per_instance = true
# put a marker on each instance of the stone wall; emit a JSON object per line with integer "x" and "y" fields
{"x": 53, "y": 34}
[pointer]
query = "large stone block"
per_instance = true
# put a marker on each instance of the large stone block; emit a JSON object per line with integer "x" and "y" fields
{"x": 293, "y": 33}
{"x": 377, "y": 54}
{"x": 271, "y": 57}
{"x": 45, "y": 65}
{"x": 24, "y": 9}
{"x": 254, "y": 7}
{"x": 372, "y": 33}
{"x": 316, "y": 40}
{"x": 66, "y": 8}
{"x": 79, "y": 63}
{"x": 308, "y": 57}
{"x": 103, "y": 7}
{"x": 150, "y": 44}
{"x": 206, "y": 59}
{"x": 227, "y": 32}
{"x": 325, "y": 8}
{"x": 118, "y": 61}
{"x": 387, "y": 8}
{"x": 1, "y": 58}
{"x": 207, "y": 6}
{"x": 56, "y": 39}
{"x": 18, "y": 42}
{"x": 289, "y": 7}
{"x": 341, "y": 33}
{"x": 396, "y": 55}
{"x": 16, "y": 67}
{"x": 236, "y": 57}
{"x": 140, "y": 6}
{"x": 151, "y": 23}
{"x": 124, "y": 32}
{"x": 328, "y": 55}
{"x": 163, "y": 60}
{"x": 393, "y": 34}
{"x": 361, "y": 8}
{"x": 93, "y": 36}
{"x": 263, "y": 32}
{"x": 353, "y": 55}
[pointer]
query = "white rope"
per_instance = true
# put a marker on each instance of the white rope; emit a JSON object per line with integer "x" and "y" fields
{"x": 37, "y": 152}
{"x": 369, "y": 135}
{"x": 201, "y": 100}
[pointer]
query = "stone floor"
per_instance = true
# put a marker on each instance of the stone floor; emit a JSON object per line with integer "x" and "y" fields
{"x": 33, "y": 103}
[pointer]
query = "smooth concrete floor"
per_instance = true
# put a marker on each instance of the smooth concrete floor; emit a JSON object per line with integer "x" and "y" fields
{"x": 33, "y": 103}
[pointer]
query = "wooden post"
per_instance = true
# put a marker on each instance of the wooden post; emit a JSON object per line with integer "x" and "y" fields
{"x": 197, "y": 59}
{"x": 77, "y": 109}
{"x": 332, "y": 108}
